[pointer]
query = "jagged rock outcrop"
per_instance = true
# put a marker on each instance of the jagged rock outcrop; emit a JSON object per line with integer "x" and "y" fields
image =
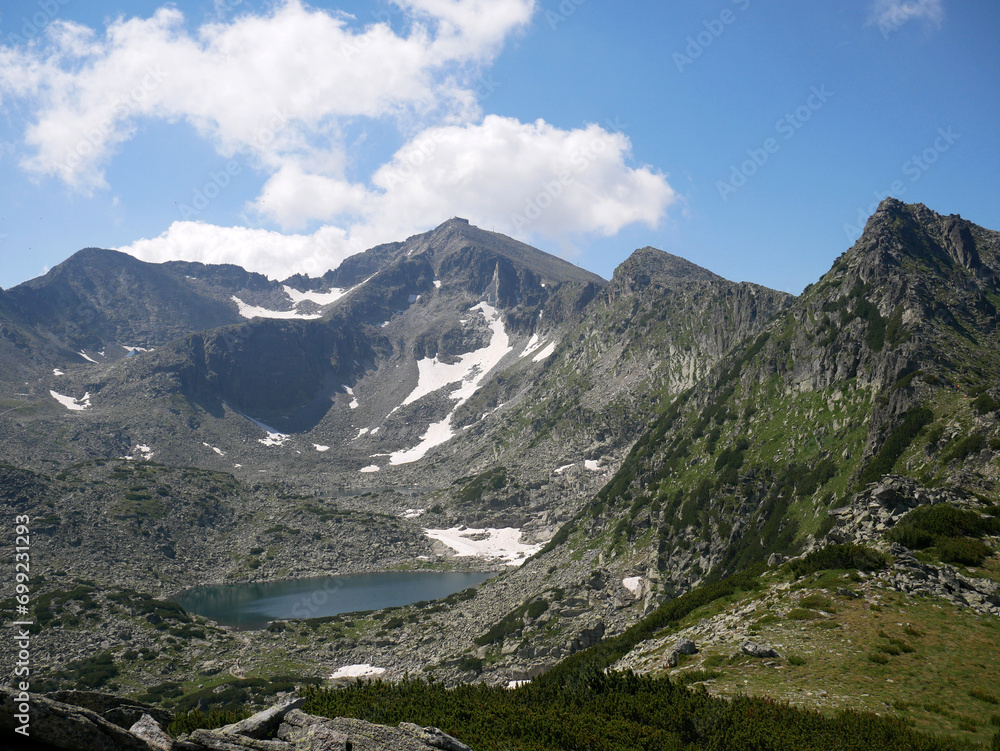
{"x": 875, "y": 510}
{"x": 917, "y": 577}
{"x": 264, "y": 724}
{"x": 122, "y": 712}
{"x": 149, "y": 730}
{"x": 282, "y": 727}
{"x": 66, "y": 726}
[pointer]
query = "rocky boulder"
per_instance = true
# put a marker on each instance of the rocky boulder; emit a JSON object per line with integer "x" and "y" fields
{"x": 67, "y": 726}
{"x": 754, "y": 649}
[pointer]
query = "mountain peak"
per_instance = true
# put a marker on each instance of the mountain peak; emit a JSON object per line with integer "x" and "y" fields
{"x": 897, "y": 231}
{"x": 457, "y": 242}
{"x": 653, "y": 266}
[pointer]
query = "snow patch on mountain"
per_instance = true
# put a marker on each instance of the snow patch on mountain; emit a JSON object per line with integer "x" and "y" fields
{"x": 633, "y": 584}
{"x": 255, "y": 311}
{"x": 76, "y": 405}
{"x": 545, "y": 353}
{"x": 533, "y": 344}
{"x": 350, "y": 392}
{"x": 274, "y": 437}
{"x": 143, "y": 449}
{"x": 437, "y": 433}
{"x": 356, "y": 671}
{"x": 320, "y": 298}
{"x": 491, "y": 544}
{"x": 468, "y": 373}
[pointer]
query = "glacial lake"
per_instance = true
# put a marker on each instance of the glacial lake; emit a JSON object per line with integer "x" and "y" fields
{"x": 252, "y": 606}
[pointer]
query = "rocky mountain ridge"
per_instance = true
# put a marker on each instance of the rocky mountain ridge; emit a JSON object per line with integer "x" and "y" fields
{"x": 657, "y": 433}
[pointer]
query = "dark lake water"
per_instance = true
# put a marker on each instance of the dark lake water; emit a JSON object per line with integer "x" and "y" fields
{"x": 251, "y": 606}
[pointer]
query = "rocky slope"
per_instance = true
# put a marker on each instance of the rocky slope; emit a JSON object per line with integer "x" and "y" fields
{"x": 463, "y": 354}
{"x": 664, "y": 429}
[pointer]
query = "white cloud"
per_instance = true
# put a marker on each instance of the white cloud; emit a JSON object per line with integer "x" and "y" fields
{"x": 271, "y": 253}
{"x": 294, "y": 197}
{"x": 277, "y": 85}
{"x": 471, "y": 28}
{"x": 890, "y": 15}
{"x": 284, "y": 88}
{"x": 528, "y": 180}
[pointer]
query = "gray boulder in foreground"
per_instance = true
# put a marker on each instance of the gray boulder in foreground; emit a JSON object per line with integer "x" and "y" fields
{"x": 283, "y": 727}
{"x": 263, "y": 724}
{"x": 67, "y": 726}
{"x": 434, "y": 738}
{"x": 149, "y": 730}
{"x": 754, "y": 649}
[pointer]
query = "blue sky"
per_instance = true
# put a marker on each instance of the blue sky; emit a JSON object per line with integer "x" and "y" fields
{"x": 749, "y": 137}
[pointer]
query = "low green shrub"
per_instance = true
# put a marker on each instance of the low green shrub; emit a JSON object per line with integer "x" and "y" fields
{"x": 984, "y": 404}
{"x": 962, "y": 550}
{"x": 801, "y": 614}
{"x": 817, "y": 602}
{"x": 847, "y": 556}
{"x": 986, "y": 696}
{"x": 966, "y": 447}
{"x": 188, "y": 722}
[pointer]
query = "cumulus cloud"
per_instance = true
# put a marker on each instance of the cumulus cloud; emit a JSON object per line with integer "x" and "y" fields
{"x": 301, "y": 69}
{"x": 528, "y": 180}
{"x": 282, "y": 88}
{"x": 272, "y": 253}
{"x": 522, "y": 178}
{"x": 889, "y": 15}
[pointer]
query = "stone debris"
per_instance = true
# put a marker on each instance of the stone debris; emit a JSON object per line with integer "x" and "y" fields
{"x": 754, "y": 649}
{"x": 685, "y": 647}
{"x": 282, "y": 727}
